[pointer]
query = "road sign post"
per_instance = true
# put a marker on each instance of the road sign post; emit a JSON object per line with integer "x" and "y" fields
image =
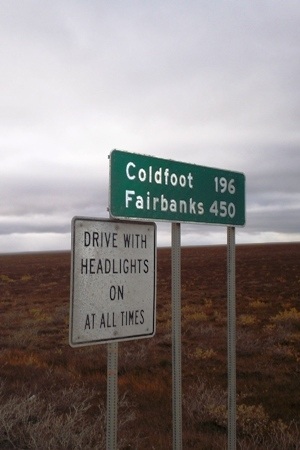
{"x": 112, "y": 395}
{"x": 113, "y": 292}
{"x": 176, "y": 337}
{"x": 231, "y": 338}
{"x": 145, "y": 187}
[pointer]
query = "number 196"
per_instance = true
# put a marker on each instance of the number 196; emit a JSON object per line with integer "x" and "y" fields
{"x": 222, "y": 185}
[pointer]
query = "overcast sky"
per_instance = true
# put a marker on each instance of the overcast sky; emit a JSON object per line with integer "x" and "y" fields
{"x": 214, "y": 83}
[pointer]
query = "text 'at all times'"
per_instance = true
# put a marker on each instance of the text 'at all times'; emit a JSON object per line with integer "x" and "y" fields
{"x": 126, "y": 318}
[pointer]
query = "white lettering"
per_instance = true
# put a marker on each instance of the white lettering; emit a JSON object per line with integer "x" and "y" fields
{"x": 158, "y": 176}
{"x": 130, "y": 177}
{"x": 166, "y": 175}
{"x": 142, "y": 175}
{"x": 165, "y": 204}
{"x": 182, "y": 180}
{"x": 128, "y": 197}
{"x": 139, "y": 204}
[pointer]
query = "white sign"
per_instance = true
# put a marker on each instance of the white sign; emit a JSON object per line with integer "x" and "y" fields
{"x": 113, "y": 281}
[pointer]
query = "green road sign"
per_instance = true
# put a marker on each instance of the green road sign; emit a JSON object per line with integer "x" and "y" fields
{"x": 145, "y": 187}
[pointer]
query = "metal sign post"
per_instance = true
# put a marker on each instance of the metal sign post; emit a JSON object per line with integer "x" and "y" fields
{"x": 231, "y": 338}
{"x": 176, "y": 337}
{"x": 113, "y": 292}
{"x": 112, "y": 396}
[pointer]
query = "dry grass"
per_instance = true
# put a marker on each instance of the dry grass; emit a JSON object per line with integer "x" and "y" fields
{"x": 257, "y": 304}
{"x": 206, "y": 406}
{"x": 247, "y": 320}
{"x": 70, "y": 421}
{"x": 290, "y": 318}
{"x": 54, "y": 397}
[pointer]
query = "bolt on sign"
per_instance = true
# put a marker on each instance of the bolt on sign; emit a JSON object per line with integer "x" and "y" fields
{"x": 145, "y": 187}
{"x": 113, "y": 281}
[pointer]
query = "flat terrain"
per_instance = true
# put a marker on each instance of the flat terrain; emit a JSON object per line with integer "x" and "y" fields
{"x": 53, "y": 396}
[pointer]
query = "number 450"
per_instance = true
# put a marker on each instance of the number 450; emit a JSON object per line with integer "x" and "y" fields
{"x": 222, "y": 209}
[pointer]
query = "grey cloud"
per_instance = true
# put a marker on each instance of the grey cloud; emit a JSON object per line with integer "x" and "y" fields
{"x": 275, "y": 172}
{"x": 209, "y": 84}
{"x": 285, "y": 221}
{"x": 35, "y": 224}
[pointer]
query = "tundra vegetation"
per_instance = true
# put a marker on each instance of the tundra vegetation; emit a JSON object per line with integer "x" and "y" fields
{"x": 54, "y": 396}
